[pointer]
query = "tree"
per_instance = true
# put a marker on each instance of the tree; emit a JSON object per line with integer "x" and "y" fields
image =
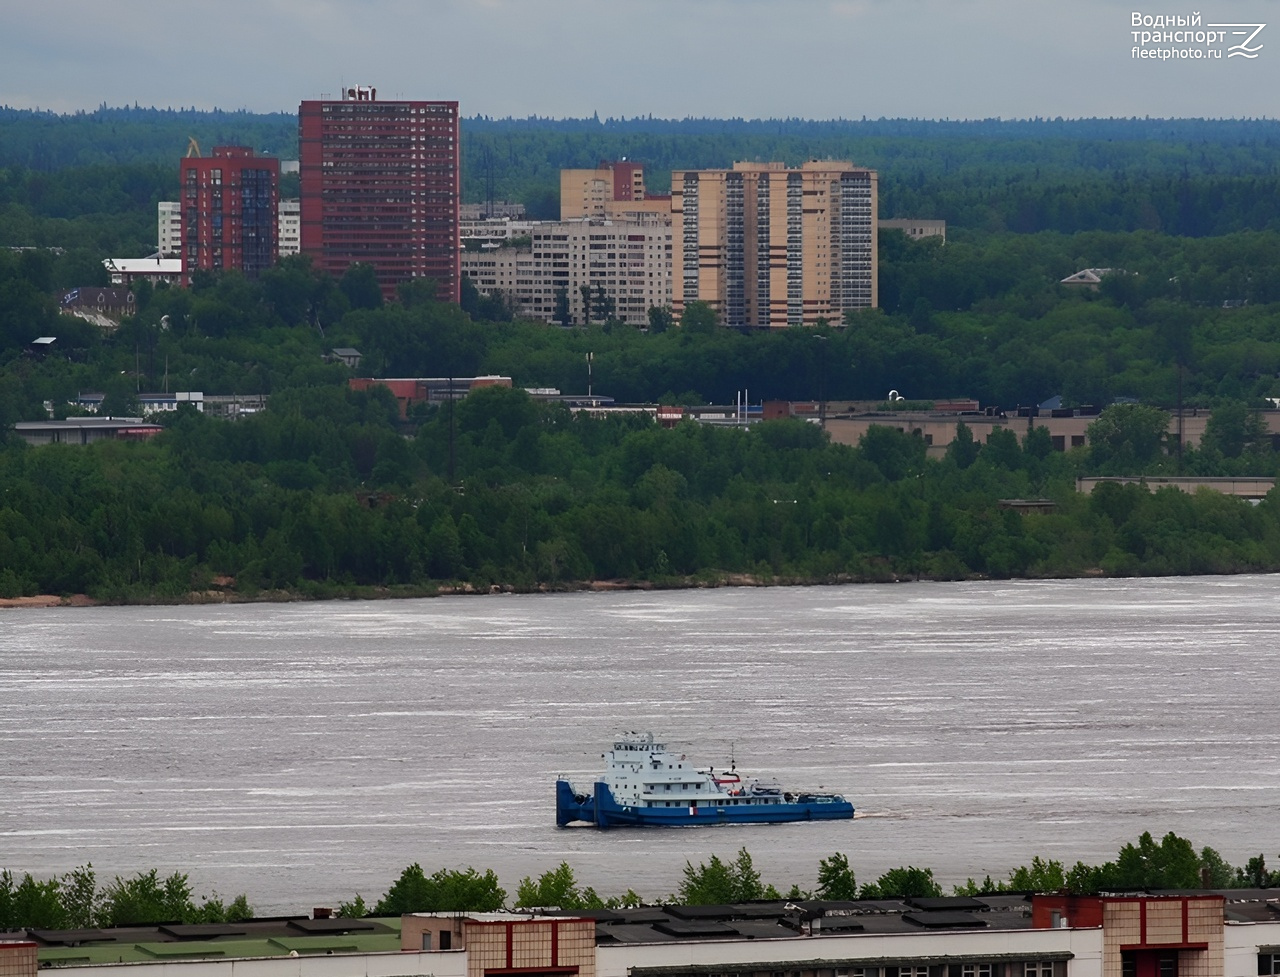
{"x": 660, "y": 319}
{"x": 1171, "y": 863}
{"x": 603, "y": 304}
{"x": 896, "y": 453}
{"x": 445, "y": 891}
{"x": 717, "y": 882}
{"x": 1215, "y": 872}
{"x": 79, "y": 896}
{"x": 355, "y": 909}
{"x": 1126, "y": 439}
{"x": 698, "y": 319}
{"x": 33, "y": 903}
{"x": 1039, "y": 876}
{"x": 562, "y": 314}
{"x": 963, "y": 450}
{"x": 1233, "y": 430}
{"x": 419, "y": 291}
{"x": 1255, "y": 874}
{"x": 903, "y": 883}
{"x": 836, "y": 879}
{"x": 360, "y": 286}
{"x": 146, "y": 899}
{"x": 556, "y": 888}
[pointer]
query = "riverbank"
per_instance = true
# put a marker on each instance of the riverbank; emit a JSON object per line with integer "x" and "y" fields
{"x": 229, "y": 595}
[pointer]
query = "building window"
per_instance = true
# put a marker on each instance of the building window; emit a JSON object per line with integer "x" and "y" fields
{"x": 426, "y": 941}
{"x": 1268, "y": 964}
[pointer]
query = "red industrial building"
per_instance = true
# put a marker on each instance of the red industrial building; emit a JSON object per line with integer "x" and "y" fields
{"x": 381, "y": 185}
{"x": 230, "y": 208}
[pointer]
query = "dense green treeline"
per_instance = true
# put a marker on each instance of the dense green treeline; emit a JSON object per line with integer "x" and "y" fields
{"x": 1182, "y": 177}
{"x": 76, "y": 900}
{"x": 46, "y": 141}
{"x": 1170, "y": 863}
{"x": 321, "y": 494}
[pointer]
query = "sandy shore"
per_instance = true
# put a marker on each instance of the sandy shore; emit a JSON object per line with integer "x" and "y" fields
{"x": 49, "y": 600}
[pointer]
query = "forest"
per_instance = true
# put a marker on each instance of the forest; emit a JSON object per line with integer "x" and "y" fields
{"x": 329, "y": 492}
{"x": 76, "y": 900}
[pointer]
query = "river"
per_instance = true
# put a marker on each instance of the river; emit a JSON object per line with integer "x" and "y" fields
{"x": 303, "y": 752}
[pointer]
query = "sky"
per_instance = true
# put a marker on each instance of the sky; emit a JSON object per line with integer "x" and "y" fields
{"x": 819, "y": 59}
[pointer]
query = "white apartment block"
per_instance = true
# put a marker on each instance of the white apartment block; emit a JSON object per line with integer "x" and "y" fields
{"x": 495, "y": 229}
{"x": 169, "y": 233}
{"x": 630, "y": 261}
{"x": 289, "y": 227}
{"x": 170, "y": 228}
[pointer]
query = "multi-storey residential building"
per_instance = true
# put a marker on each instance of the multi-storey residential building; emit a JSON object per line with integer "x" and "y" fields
{"x": 169, "y": 228}
{"x": 495, "y": 230}
{"x": 627, "y": 263}
{"x": 769, "y": 246}
{"x": 229, "y": 211}
{"x": 492, "y": 210}
{"x": 380, "y": 185}
{"x": 611, "y": 191}
{"x": 290, "y": 226}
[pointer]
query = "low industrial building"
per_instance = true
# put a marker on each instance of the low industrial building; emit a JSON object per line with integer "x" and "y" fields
{"x": 1067, "y": 426}
{"x": 410, "y": 391}
{"x": 85, "y": 430}
{"x": 916, "y": 230}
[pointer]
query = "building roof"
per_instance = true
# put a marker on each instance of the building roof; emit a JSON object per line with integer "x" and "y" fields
{"x": 1089, "y": 276}
{"x": 280, "y": 936}
{"x": 783, "y": 919}
{"x": 144, "y": 266}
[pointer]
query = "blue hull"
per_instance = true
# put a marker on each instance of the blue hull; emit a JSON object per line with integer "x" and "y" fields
{"x": 603, "y": 811}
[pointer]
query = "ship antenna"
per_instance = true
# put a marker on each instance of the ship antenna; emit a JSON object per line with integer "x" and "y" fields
{"x": 733, "y": 764}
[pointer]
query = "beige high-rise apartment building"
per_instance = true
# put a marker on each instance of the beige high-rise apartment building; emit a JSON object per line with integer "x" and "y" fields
{"x": 612, "y": 191}
{"x": 769, "y": 246}
{"x": 584, "y": 193}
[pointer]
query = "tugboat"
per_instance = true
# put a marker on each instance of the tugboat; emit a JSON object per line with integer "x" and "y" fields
{"x": 646, "y": 785}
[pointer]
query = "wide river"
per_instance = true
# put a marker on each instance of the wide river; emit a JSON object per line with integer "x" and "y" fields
{"x": 304, "y": 752}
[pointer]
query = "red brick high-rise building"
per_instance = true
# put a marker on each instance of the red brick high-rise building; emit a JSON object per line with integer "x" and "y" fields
{"x": 230, "y": 205}
{"x": 381, "y": 185}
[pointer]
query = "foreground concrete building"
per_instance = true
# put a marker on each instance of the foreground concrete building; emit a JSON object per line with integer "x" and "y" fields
{"x": 769, "y": 246}
{"x": 1224, "y": 933}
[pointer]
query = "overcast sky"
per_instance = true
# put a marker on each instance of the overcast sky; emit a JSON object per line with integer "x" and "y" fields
{"x": 669, "y": 58}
